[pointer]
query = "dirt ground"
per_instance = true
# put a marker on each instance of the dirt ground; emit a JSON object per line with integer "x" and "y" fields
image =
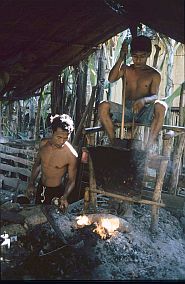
{"x": 135, "y": 255}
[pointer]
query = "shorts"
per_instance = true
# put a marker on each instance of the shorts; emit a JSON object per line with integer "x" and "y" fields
{"x": 145, "y": 116}
{"x": 45, "y": 194}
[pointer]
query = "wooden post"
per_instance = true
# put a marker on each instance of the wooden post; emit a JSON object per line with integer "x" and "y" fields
{"x": 126, "y": 198}
{"x": 181, "y": 108}
{"x": 123, "y": 101}
{"x": 92, "y": 185}
{"x": 86, "y": 200}
{"x": 156, "y": 55}
{"x": 167, "y": 144}
{"x": 100, "y": 84}
{"x": 1, "y": 121}
{"x": 168, "y": 139}
{"x": 177, "y": 155}
{"x": 88, "y": 110}
{"x": 37, "y": 120}
{"x": 157, "y": 195}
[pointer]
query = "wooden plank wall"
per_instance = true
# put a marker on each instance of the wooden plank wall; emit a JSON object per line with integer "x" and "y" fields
{"x": 16, "y": 160}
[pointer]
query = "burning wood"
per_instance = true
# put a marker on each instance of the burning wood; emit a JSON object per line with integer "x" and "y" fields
{"x": 83, "y": 220}
{"x": 106, "y": 224}
{"x": 106, "y": 228}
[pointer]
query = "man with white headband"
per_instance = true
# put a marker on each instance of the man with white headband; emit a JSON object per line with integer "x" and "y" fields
{"x": 55, "y": 158}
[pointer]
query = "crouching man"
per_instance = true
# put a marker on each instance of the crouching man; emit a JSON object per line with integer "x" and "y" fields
{"x": 141, "y": 93}
{"x": 55, "y": 158}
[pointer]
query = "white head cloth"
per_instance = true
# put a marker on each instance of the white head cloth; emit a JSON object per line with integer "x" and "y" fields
{"x": 64, "y": 118}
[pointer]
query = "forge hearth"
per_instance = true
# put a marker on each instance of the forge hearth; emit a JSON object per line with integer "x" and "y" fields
{"x": 42, "y": 255}
{"x": 104, "y": 225}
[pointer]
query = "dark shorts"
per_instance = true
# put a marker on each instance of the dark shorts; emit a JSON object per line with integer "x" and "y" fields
{"x": 145, "y": 116}
{"x": 45, "y": 194}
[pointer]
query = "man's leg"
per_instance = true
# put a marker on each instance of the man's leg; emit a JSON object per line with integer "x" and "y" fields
{"x": 157, "y": 123}
{"x": 104, "y": 116}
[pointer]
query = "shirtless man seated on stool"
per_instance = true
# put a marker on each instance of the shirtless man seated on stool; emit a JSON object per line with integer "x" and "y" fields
{"x": 56, "y": 157}
{"x": 142, "y": 86}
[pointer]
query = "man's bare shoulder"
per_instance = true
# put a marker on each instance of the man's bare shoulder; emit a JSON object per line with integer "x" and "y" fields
{"x": 154, "y": 71}
{"x": 71, "y": 150}
{"x": 44, "y": 141}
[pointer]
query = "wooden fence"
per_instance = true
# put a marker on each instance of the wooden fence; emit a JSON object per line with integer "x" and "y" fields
{"x": 16, "y": 160}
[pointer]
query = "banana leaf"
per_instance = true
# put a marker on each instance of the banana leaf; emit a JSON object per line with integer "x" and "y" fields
{"x": 169, "y": 100}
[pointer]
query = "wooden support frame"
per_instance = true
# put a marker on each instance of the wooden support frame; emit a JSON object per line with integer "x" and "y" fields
{"x": 90, "y": 198}
{"x": 125, "y": 198}
{"x": 92, "y": 190}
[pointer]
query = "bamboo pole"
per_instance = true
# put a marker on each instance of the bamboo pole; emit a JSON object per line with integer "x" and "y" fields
{"x": 165, "y": 126}
{"x": 157, "y": 195}
{"x": 86, "y": 200}
{"x": 123, "y": 101}
{"x": 156, "y": 55}
{"x": 181, "y": 108}
{"x": 1, "y": 122}
{"x": 86, "y": 116}
{"x": 177, "y": 155}
{"x": 37, "y": 120}
{"x": 167, "y": 145}
{"x": 87, "y": 111}
{"x": 122, "y": 197}
{"x": 92, "y": 185}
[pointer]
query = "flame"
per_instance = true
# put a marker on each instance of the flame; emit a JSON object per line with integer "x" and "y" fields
{"x": 83, "y": 220}
{"x": 110, "y": 224}
{"x": 100, "y": 231}
{"x": 106, "y": 227}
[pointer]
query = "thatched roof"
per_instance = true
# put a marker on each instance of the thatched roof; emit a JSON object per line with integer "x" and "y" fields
{"x": 39, "y": 38}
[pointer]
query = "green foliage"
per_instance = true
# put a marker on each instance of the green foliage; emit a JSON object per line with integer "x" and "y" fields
{"x": 169, "y": 100}
{"x": 93, "y": 72}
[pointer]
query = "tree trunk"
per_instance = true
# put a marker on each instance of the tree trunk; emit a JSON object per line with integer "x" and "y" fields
{"x": 37, "y": 120}
{"x": 100, "y": 84}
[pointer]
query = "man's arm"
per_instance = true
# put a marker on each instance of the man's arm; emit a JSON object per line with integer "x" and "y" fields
{"x": 72, "y": 170}
{"x": 154, "y": 89}
{"x": 151, "y": 97}
{"x": 118, "y": 69}
{"x": 35, "y": 170}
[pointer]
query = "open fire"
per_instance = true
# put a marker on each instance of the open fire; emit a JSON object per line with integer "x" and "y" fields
{"x": 105, "y": 227}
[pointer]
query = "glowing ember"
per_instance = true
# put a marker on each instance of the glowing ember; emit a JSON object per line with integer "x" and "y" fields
{"x": 83, "y": 220}
{"x": 101, "y": 231}
{"x": 105, "y": 227}
{"x": 110, "y": 225}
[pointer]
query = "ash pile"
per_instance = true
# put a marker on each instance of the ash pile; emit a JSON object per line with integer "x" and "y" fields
{"x": 74, "y": 246}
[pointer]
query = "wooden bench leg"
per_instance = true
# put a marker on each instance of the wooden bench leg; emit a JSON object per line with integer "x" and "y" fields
{"x": 176, "y": 164}
{"x": 90, "y": 198}
{"x": 92, "y": 185}
{"x": 167, "y": 145}
{"x": 86, "y": 200}
{"x": 157, "y": 195}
